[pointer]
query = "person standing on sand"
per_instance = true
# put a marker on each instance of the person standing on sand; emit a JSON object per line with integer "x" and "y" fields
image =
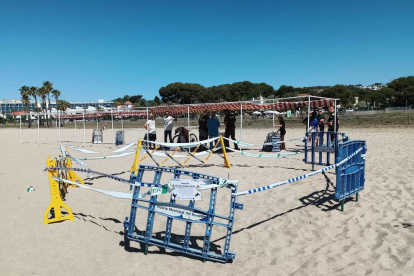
{"x": 202, "y": 126}
{"x": 168, "y": 125}
{"x": 282, "y": 131}
{"x": 331, "y": 122}
{"x": 152, "y": 135}
{"x": 321, "y": 119}
{"x": 230, "y": 123}
{"x": 213, "y": 128}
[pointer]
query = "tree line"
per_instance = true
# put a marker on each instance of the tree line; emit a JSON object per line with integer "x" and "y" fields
{"x": 399, "y": 92}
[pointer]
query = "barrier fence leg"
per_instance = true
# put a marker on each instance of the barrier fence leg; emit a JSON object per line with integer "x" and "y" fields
{"x": 357, "y": 197}
{"x": 134, "y": 167}
{"x": 342, "y": 205}
{"x": 226, "y": 160}
{"x": 56, "y": 200}
{"x": 72, "y": 176}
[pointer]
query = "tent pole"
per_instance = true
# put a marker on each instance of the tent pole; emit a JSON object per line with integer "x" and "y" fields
{"x": 307, "y": 130}
{"x": 122, "y": 124}
{"x": 76, "y": 136}
{"x": 241, "y": 124}
{"x": 112, "y": 120}
{"x": 21, "y": 141}
{"x": 59, "y": 113}
{"x": 84, "y": 131}
{"x": 273, "y": 125}
{"x": 188, "y": 114}
{"x": 57, "y": 132}
{"x": 335, "y": 117}
{"x": 147, "y": 127}
{"x": 38, "y": 128}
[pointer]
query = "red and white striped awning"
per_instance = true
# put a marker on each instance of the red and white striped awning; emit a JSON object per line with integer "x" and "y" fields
{"x": 200, "y": 108}
{"x": 313, "y": 104}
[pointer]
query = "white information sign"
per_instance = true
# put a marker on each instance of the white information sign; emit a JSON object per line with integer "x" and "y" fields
{"x": 185, "y": 189}
{"x": 174, "y": 211}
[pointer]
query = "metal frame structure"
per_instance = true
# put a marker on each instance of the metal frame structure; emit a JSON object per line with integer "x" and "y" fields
{"x": 321, "y": 142}
{"x": 350, "y": 176}
{"x": 146, "y": 239}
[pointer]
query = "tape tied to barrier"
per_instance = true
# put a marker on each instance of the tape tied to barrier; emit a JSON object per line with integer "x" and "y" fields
{"x": 279, "y": 155}
{"x": 294, "y": 179}
{"x": 156, "y": 189}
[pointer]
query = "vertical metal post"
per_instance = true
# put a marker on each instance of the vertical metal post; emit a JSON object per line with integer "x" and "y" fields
{"x": 84, "y": 131}
{"x": 59, "y": 127}
{"x": 38, "y": 128}
{"x": 76, "y": 136}
{"x": 307, "y": 130}
{"x": 112, "y": 120}
{"x": 122, "y": 124}
{"x": 188, "y": 114}
{"x": 241, "y": 126}
{"x": 21, "y": 141}
{"x": 335, "y": 118}
{"x": 97, "y": 127}
{"x": 241, "y": 121}
{"x": 147, "y": 127}
{"x": 57, "y": 132}
{"x": 273, "y": 115}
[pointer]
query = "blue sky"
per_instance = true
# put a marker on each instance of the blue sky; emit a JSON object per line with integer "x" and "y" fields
{"x": 105, "y": 49}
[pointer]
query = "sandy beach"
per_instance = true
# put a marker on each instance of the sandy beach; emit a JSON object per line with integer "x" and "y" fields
{"x": 296, "y": 229}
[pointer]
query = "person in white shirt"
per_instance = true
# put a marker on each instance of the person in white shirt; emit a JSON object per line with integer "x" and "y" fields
{"x": 168, "y": 125}
{"x": 150, "y": 127}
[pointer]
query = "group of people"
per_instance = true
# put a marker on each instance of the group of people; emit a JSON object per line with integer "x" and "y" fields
{"x": 317, "y": 121}
{"x": 208, "y": 126}
{"x": 151, "y": 131}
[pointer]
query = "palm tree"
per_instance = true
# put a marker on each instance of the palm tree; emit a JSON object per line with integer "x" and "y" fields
{"x": 48, "y": 88}
{"x": 62, "y": 105}
{"x": 42, "y": 93}
{"x": 56, "y": 94}
{"x": 33, "y": 93}
{"x": 24, "y": 92}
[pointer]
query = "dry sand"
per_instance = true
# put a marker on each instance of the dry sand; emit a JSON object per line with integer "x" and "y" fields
{"x": 291, "y": 230}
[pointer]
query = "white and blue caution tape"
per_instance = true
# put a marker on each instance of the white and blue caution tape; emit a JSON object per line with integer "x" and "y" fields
{"x": 294, "y": 179}
{"x": 108, "y": 156}
{"x": 279, "y": 155}
{"x": 182, "y": 145}
{"x": 124, "y": 148}
{"x": 106, "y": 192}
{"x": 245, "y": 144}
{"x": 164, "y": 189}
{"x": 82, "y": 150}
{"x": 77, "y": 161}
{"x": 116, "y": 178}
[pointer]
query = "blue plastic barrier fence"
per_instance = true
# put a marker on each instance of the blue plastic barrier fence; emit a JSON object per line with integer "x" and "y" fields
{"x": 321, "y": 146}
{"x": 187, "y": 213}
{"x": 350, "y": 176}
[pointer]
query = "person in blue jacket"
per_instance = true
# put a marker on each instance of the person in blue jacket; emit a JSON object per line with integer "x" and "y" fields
{"x": 213, "y": 128}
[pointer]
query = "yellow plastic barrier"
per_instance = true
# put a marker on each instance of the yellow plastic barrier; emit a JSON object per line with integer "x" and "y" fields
{"x": 134, "y": 167}
{"x": 56, "y": 198}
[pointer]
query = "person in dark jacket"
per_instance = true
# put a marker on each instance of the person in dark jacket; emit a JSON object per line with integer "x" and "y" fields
{"x": 331, "y": 122}
{"x": 282, "y": 130}
{"x": 202, "y": 126}
{"x": 230, "y": 123}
